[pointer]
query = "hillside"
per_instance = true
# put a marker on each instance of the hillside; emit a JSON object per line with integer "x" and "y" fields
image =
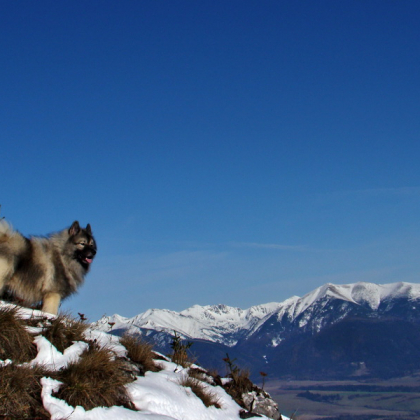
{"x": 335, "y": 331}
{"x": 59, "y": 367}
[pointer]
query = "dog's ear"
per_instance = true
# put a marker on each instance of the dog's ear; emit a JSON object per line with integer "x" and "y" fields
{"x": 74, "y": 228}
{"x": 88, "y": 229}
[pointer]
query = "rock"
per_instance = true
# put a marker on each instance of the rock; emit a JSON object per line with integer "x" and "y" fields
{"x": 131, "y": 369}
{"x": 260, "y": 402}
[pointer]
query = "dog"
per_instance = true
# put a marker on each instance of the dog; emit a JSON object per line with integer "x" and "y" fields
{"x": 46, "y": 269}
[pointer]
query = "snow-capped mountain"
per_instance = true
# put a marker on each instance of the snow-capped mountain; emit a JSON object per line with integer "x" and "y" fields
{"x": 262, "y": 334}
{"x": 219, "y": 323}
{"x": 227, "y": 325}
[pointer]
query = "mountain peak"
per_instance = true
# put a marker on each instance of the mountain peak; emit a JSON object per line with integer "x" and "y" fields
{"x": 225, "y": 324}
{"x": 361, "y": 293}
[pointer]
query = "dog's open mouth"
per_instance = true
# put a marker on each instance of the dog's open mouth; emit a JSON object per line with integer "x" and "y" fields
{"x": 86, "y": 261}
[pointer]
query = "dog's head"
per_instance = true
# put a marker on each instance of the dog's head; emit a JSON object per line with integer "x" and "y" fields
{"x": 84, "y": 244}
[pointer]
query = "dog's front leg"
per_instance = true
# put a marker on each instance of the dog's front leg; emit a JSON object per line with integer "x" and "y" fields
{"x": 51, "y": 303}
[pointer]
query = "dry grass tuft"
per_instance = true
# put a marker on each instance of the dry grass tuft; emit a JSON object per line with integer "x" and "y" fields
{"x": 207, "y": 397}
{"x": 180, "y": 349}
{"x": 240, "y": 382}
{"x": 203, "y": 376}
{"x": 15, "y": 341}
{"x": 96, "y": 379}
{"x": 239, "y": 385}
{"x": 215, "y": 377}
{"x": 140, "y": 352}
{"x": 63, "y": 331}
{"x": 20, "y": 392}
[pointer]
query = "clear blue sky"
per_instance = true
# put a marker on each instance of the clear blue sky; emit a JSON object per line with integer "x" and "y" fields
{"x": 235, "y": 152}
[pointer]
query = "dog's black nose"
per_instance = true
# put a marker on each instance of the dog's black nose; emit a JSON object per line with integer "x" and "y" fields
{"x": 91, "y": 252}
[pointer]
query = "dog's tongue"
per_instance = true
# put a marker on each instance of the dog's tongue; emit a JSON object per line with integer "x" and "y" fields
{"x": 88, "y": 260}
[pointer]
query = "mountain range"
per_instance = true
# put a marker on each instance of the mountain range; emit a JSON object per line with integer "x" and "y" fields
{"x": 360, "y": 330}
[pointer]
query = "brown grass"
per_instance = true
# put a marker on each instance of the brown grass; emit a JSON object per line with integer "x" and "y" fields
{"x": 15, "y": 342}
{"x": 20, "y": 392}
{"x": 96, "y": 379}
{"x": 216, "y": 378}
{"x": 201, "y": 391}
{"x": 181, "y": 358}
{"x": 204, "y": 376}
{"x": 239, "y": 385}
{"x": 63, "y": 331}
{"x": 140, "y": 352}
{"x": 180, "y": 351}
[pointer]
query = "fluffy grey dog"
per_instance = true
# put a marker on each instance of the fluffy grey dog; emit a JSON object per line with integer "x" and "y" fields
{"x": 46, "y": 269}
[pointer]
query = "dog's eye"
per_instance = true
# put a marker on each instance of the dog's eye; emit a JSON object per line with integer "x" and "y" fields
{"x": 82, "y": 243}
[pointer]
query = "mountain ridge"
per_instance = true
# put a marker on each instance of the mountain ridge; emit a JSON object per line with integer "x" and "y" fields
{"x": 270, "y": 336}
{"x": 195, "y": 320}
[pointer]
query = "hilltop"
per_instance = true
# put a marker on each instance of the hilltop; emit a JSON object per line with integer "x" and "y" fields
{"x": 59, "y": 367}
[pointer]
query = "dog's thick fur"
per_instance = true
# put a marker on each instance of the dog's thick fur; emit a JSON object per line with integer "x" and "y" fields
{"x": 46, "y": 269}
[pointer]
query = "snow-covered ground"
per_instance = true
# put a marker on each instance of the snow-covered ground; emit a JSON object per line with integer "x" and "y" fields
{"x": 157, "y": 395}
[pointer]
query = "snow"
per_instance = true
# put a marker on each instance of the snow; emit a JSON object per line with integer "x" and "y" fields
{"x": 59, "y": 409}
{"x": 51, "y": 358}
{"x": 360, "y": 293}
{"x": 211, "y": 323}
{"x": 224, "y": 324}
{"x": 275, "y": 341}
{"x": 106, "y": 340}
{"x": 158, "y": 395}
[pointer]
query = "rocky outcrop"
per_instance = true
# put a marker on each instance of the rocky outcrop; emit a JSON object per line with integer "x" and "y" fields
{"x": 260, "y": 402}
